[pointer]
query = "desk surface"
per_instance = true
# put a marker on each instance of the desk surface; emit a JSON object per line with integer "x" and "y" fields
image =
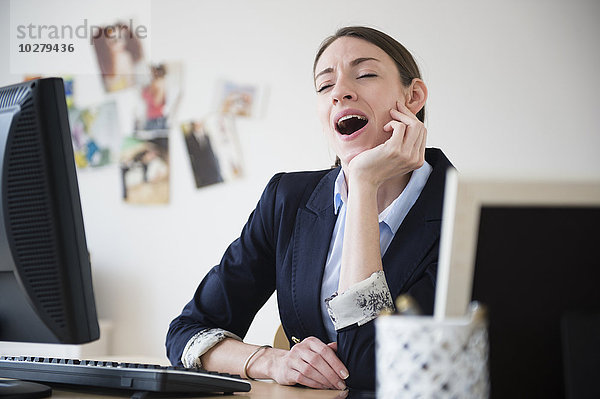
{"x": 260, "y": 389}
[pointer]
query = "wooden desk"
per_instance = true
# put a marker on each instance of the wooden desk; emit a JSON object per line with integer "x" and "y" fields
{"x": 260, "y": 389}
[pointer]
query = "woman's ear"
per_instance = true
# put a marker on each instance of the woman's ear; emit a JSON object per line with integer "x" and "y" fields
{"x": 417, "y": 95}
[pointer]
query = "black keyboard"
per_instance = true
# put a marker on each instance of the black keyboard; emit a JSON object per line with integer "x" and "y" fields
{"x": 123, "y": 376}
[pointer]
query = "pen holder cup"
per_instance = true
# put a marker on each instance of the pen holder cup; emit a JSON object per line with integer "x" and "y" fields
{"x": 419, "y": 357}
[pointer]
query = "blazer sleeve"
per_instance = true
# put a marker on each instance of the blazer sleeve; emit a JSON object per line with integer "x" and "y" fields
{"x": 356, "y": 344}
{"x": 233, "y": 291}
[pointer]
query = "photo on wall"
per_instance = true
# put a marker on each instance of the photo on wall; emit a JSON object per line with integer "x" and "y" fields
{"x": 243, "y": 100}
{"x": 145, "y": 169}
{"x": 159, "y": 97}
{"x": 214, "y": 150}
{"x": 119, "y": 53}
{"x": 95, "y": 134}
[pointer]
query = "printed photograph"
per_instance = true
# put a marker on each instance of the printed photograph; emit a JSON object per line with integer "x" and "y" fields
{"x": 95, "y": 134}
{"x": 235, "y": 99}
{"x": 214, "y": 150}
{"x": 119, "y": 54}
{"x": 159, "y": 97}
{"x": 144, "y": 167}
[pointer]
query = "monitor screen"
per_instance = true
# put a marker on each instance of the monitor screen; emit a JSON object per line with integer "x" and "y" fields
{"x": 46, "y": 290}
{"x": 537, "y": 270}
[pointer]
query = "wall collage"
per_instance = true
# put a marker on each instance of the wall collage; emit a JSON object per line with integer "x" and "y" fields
{"x": 142, "y": 150}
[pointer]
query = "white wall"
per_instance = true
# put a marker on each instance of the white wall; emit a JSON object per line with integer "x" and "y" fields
{"x": 513, "y": 92}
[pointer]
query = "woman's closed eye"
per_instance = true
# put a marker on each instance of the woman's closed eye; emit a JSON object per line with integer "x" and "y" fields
{"x": 328, "y": 85}
{"x": 324, "y": 87}
{"x": 367, "y": 75}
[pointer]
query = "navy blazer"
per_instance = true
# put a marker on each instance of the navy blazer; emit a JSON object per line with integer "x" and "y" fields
{"x": 284, "y": 246}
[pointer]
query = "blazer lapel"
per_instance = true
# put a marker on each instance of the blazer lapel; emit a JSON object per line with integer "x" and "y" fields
{"x": 312, "y": 236}
{"x": 420, "y": 230}
{"x": 410, "y": 245}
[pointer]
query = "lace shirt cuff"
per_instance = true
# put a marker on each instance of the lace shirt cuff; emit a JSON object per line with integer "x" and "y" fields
{"x": 201, "y": 343}
{"x": 360, "y": 303}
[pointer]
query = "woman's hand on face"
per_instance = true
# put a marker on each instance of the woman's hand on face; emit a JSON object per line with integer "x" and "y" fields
{"x": 402, "y": 153}
{"x": 311, "y": 363}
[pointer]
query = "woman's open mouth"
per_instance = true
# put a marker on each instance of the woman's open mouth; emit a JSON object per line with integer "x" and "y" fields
{"x": 351, "y": 123}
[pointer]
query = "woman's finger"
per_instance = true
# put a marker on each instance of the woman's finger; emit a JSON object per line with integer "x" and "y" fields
{"x": 421, "y": 143}
{"x": 415, "y": 128}
{"x": 400, "y": 106}
{"x": 325, "y": 360}
{"x": 409, "y": 120}
{"x": 299, "y": 378}
{"x": 404, "y": 138}
{"x": 396, "y": 128}
{"x": 317, "y": 362}
{"x": 312, "y": 371}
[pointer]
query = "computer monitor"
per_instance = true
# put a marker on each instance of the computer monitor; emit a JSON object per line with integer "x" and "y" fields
{"x": 46, "y": 290}
{"x": 530, "y": 252}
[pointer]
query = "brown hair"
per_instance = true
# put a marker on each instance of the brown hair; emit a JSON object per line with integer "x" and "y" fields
{"x": 407, "y": 67}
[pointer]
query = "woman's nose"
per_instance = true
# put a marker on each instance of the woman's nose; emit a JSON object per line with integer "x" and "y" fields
{"x": 342, "y": 91}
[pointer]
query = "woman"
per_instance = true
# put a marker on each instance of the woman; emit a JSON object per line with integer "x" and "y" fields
{"x": 336, "y": 244}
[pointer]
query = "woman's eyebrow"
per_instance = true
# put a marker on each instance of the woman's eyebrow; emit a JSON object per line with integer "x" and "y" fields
{"x": 324, "y": 71}
{"x": 362, "y": 59}
{"x": 353, "y": 63}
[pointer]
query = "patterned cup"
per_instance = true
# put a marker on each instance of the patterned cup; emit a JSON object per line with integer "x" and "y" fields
{"x": 419, "y": 357}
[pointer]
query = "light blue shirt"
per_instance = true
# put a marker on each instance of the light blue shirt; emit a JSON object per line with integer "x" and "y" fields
{"x": 390, "y": 220}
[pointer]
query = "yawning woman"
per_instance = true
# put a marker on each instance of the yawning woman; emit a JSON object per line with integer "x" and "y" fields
{"x": 338, "y": 244}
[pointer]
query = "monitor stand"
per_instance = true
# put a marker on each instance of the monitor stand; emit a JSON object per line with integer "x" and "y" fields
{"x": 23, "y": 389}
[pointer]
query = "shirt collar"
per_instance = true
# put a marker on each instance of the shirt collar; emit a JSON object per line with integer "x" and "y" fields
{"x": 340, "y": 192}
{"x": 395, "y": 213}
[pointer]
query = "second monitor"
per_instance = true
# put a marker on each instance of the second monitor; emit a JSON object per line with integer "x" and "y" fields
{"x": 529, "y": 251}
